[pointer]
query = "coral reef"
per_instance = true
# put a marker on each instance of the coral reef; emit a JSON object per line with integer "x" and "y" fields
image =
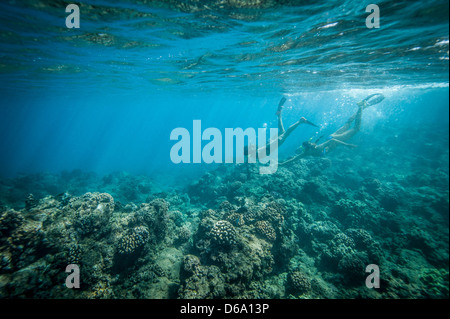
{"x": 307, "y": 231}
{"x": 91, "y": 212}
{"x": 131, "y": 242}
{"x": 223, "y": 233}
{"x": 266, "y": 230}
{"x": 299, "y": 282}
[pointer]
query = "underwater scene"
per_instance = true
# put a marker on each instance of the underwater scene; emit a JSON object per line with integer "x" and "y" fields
{"x": 224, "y": 149}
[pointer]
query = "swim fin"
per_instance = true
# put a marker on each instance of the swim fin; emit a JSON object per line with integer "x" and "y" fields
{"x": 310, "y": 123}
{"x": 371, "y": 100}
{"x": 280, "y": 105}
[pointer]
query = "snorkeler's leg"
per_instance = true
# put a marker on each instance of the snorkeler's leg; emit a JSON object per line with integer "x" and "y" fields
{"x": 349, "y": 132}
{"x": 344, "y": 128}
{"x": 282, "y": 137}
{"x": 358, "y": 119}
{"x": 348, "y": 124}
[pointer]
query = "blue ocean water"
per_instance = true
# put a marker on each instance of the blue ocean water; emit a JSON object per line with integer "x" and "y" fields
{"x": 105, "y": 97}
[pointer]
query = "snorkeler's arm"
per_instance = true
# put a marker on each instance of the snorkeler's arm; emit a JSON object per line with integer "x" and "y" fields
{"x": 293, "y": 158}
{"x": 343, "y": 143}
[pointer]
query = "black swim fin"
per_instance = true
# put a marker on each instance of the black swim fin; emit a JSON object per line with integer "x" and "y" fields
{"x": 311, "y": 123}
{"x": 280, "y": 105}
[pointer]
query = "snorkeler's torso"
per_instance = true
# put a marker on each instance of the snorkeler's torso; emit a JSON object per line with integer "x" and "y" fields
{"x": 325, "y": 147}
{"x": 319, "y": 150}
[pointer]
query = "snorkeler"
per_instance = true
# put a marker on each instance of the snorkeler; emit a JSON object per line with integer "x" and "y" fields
{"x": 282, "y": 133}
{"x": 339, "y": 137}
